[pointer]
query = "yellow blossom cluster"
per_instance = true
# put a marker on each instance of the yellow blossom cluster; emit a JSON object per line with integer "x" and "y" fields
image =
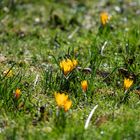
{"x": 67, "y": 65}
{"x": 63, "y": 101}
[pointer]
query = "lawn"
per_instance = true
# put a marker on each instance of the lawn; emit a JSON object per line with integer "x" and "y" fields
{"x": 69, "y": 70}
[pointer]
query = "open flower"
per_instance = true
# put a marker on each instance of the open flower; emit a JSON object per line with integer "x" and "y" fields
{"x": 128, "y": 83}
{"x": 67, "y": 65}
{"x": 60, "y": 99}
{"x": 17, "y": 93}
{"x": 84, "y": 85}
{"x": 104, "y": 17}
{"x": 63, "y": 101}
{"x": 8, "y": 73}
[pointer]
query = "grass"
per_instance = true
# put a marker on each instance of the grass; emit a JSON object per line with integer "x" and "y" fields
{"x": 35, "y": 36}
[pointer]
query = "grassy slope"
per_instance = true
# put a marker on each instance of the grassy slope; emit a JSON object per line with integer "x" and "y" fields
{"x": 33, "y": 33}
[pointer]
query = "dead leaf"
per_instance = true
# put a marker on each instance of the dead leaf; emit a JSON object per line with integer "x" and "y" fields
{"x": 100, "y": 120}
{"x": 2, "y": 58}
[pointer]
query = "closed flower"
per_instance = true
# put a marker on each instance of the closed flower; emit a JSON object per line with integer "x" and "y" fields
{"x": 84, "y": 85}
{"x": 17, "y": 93}
{"x": 104, "y": 18}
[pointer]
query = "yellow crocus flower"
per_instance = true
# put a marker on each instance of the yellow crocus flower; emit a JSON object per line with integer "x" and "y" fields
{"x": 104, "y": 17}
{"x": 84, "y": 85}
{"x": 67, "y": 105}
{"x": 63, "y": 101}
{"x": 17, "y": 93}
{"x": 67, "y": 65}
{"x": 60, "y": 99}
{"x": 128, "y": 83}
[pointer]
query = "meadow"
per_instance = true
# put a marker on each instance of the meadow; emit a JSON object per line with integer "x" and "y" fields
{"x": 69, "y": 70}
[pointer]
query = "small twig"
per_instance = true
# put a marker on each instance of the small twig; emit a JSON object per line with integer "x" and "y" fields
{"x": 89, "y": 117}
{"x": 86, "y": 70}
{"x": 126, "y": 91}
{"x": 36, "y": 80}
{"x": 103, "y": 47}
{"x": 72, "y": 34}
